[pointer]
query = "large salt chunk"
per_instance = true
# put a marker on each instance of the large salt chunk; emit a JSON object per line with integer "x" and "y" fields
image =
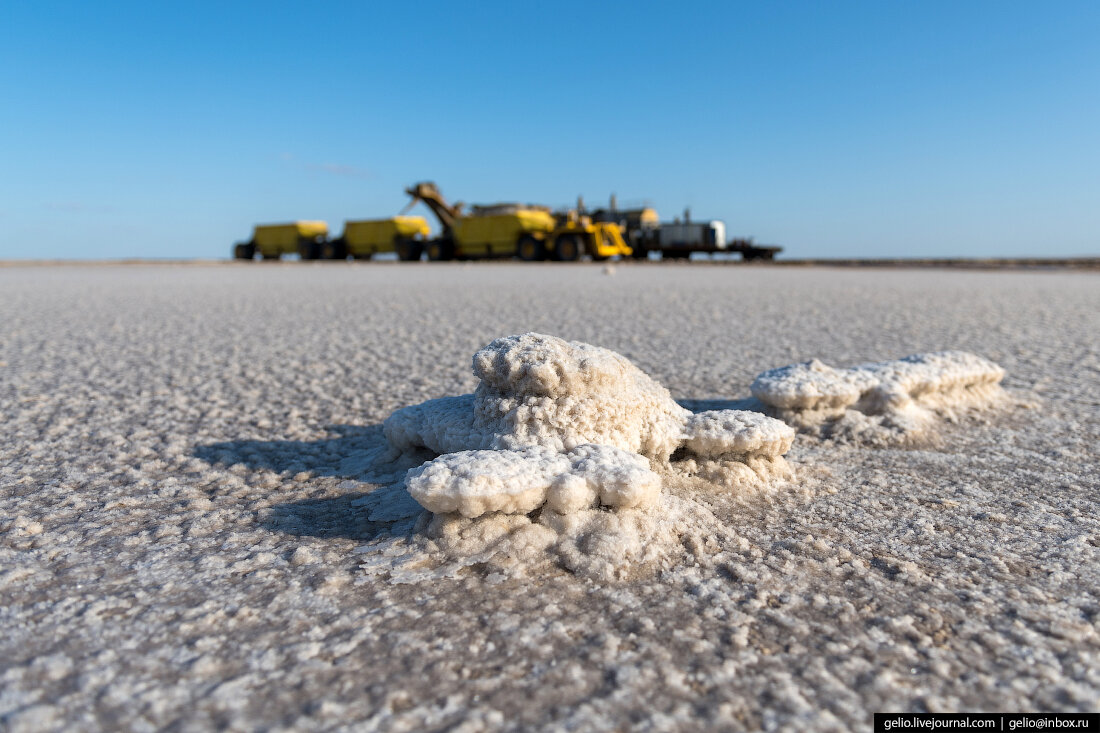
{"x": 561, "y": 449}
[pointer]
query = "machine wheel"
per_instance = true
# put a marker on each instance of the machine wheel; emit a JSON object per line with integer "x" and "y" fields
{"x": 244, "y": 251}
{"x": 408, "y": 250}
{"x": 567, "y": 248}
{"x": 531, "y": 249}
{"x": 440, "y": 250}
{"x": 764, "y": 255}
{"x": 337, "y": 249}
{"x": 309, "y": 250}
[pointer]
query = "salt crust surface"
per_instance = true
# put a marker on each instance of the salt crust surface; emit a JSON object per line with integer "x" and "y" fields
{"x": 194, "y": 471}
{"x": 882, "y": 401}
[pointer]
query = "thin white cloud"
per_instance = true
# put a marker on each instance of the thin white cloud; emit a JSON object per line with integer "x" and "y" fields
{"x": 78, "y": 207}
{"x": 338, "y": 169}
{"x": 332, "y": 169}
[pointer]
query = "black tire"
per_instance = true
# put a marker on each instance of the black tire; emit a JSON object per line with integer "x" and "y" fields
{"x": 309, "y": 250}
{"x": 408, "y": 250}
{"x": 244, "y": 251}
{"x": 567, "y": 248}
{"x": 337, "y": 249}
{"x": 440, "y": 250}
{"x": 530, "y": 249}
{"x": 762, "y": 255}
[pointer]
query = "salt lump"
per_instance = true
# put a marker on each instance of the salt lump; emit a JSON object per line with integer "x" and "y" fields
{"x": 875, "y": 401}
{"x": 565, "y": 445}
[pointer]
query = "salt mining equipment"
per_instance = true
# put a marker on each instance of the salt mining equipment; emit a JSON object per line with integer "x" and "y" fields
{"x": 505, "y": 230}
{"x": 530, "y": 232}
{"x": 646, "y": 233}
{"x": 404, "y": 235}
{"x": 274, "y": 240}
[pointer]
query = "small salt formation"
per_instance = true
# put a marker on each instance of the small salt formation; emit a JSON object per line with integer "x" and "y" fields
{"x": 564, "y": 435}
{"x": 879, "y": 401}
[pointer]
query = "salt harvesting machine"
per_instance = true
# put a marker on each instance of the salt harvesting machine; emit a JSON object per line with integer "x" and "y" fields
{"x": 527, "y": 231}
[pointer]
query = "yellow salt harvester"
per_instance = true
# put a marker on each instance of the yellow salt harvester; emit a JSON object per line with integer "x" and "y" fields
{"x": 510, "y": 230}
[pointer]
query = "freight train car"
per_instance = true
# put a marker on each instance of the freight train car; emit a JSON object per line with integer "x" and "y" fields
{"x": 271, "y": 241}
{"x": 404, "y": 235}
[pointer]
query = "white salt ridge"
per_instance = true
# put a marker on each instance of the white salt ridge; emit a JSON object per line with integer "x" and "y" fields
{"x": 872, "y": 401}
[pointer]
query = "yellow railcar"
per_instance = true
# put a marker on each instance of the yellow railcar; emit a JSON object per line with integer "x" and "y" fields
{"x": 361, "y": 239}
{"x": 274, "y": 240}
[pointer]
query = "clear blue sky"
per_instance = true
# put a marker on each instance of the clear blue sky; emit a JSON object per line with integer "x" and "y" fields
{"x": 834, "y": 129}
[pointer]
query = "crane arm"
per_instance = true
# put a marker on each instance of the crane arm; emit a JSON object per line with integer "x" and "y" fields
{"x": 433, "y": 199}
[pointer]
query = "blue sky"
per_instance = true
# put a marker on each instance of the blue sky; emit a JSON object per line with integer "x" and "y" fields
{"x": 833, "y": 129}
